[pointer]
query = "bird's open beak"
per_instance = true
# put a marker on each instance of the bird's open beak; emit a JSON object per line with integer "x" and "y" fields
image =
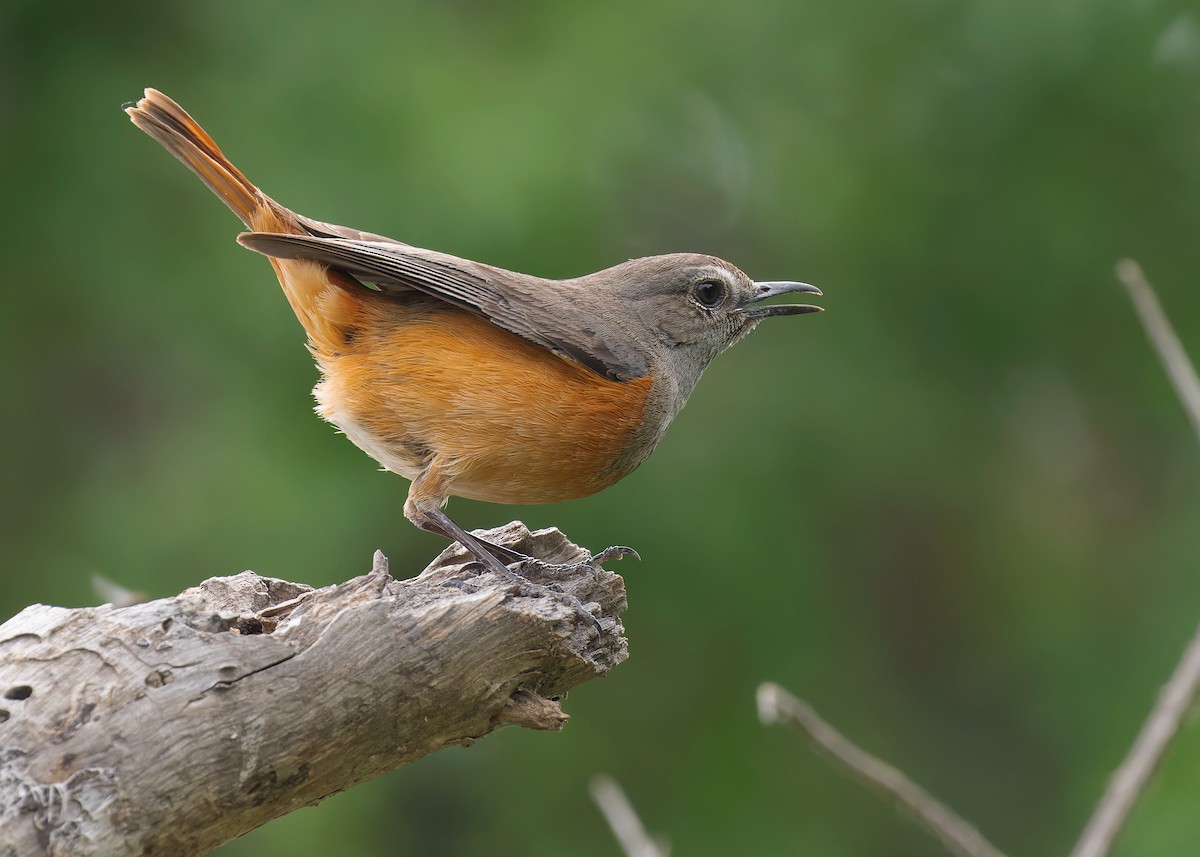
{"x": 770, "y": 290}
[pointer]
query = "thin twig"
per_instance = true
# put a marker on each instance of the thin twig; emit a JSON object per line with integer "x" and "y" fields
{"x": 1179, "y": 694}
{"x": 775, "y": 705}
{"x": 111, "y": 592}
{"x": 623, "y": 820}
{"x": 1128, "y": 783}
{"x": 1175, "y": 360}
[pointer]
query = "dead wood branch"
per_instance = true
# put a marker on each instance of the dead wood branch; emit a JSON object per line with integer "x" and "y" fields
{"x": 172, "y": 726}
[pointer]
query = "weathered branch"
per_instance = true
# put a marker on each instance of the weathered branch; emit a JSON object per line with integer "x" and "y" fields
{"x": 172, "y": 726}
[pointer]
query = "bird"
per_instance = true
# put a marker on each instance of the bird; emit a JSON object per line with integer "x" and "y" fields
{"x": 473, "y": 381}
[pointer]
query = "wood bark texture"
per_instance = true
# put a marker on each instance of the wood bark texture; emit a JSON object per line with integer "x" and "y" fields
{"x": 173, "y": 726}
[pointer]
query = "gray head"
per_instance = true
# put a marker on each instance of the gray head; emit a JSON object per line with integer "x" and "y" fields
{"x": 688, "y": 308}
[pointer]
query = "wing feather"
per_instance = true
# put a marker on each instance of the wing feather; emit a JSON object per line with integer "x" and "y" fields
{"x": 535, "y": 309}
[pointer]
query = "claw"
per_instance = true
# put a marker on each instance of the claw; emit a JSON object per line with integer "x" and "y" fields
{"x": 614, "y": 552}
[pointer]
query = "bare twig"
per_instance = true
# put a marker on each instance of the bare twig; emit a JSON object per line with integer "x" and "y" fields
{"x": 625, "y": 824}
{"x": 776, "y": 705}
{"x": 1158, "y": 731}
{"x": 1148, "y": 749}
{"x": 1175, "y": 360}
{"x": 114, "y": 593}
{"x": 1179, "y": 694}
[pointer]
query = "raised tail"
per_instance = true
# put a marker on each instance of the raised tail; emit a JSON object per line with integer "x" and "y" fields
{"x": 324, "y": 314}
{"x": 182, "y": 136}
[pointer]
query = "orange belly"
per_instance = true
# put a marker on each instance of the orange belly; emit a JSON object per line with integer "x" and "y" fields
{"x": 413, "y": 378}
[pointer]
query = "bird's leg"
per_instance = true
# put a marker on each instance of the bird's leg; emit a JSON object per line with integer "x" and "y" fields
{"x": 424, "y": 508}
{"x": 428, "y": 494}
{"x": 507, "y": 556}
{"x": 478, "y": 548}
{"x": 510, "y": 557}
{"x": 482, "y": 551}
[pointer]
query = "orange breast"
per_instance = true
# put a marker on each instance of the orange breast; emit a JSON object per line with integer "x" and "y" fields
{"x": 414, "y": 377}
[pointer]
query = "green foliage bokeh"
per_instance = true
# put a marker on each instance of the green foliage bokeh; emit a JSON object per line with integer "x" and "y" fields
{"x": 957, "y": 512}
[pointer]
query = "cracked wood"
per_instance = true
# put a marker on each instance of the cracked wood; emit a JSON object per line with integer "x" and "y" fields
{"x": 172, "y": 726}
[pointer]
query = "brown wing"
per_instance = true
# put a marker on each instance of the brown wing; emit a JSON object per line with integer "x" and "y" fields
{"x": 536, "y": 309}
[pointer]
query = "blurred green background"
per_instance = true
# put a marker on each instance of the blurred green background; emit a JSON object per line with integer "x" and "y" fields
{"x": 957, "y": 512}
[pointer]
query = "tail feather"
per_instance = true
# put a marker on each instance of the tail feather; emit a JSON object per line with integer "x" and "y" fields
{"x": 182, "y": 136}
{"x": 324, "y": 300}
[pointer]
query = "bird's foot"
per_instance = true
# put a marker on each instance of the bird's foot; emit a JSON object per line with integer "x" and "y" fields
{"x": 531, "y": 567}
{"x": 528, "y": 588}
{"x": 539, "y": 577}
{"x": 526, "y": 571}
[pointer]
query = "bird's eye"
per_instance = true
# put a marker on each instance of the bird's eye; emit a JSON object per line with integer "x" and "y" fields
{"x": 710, "y": 294}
